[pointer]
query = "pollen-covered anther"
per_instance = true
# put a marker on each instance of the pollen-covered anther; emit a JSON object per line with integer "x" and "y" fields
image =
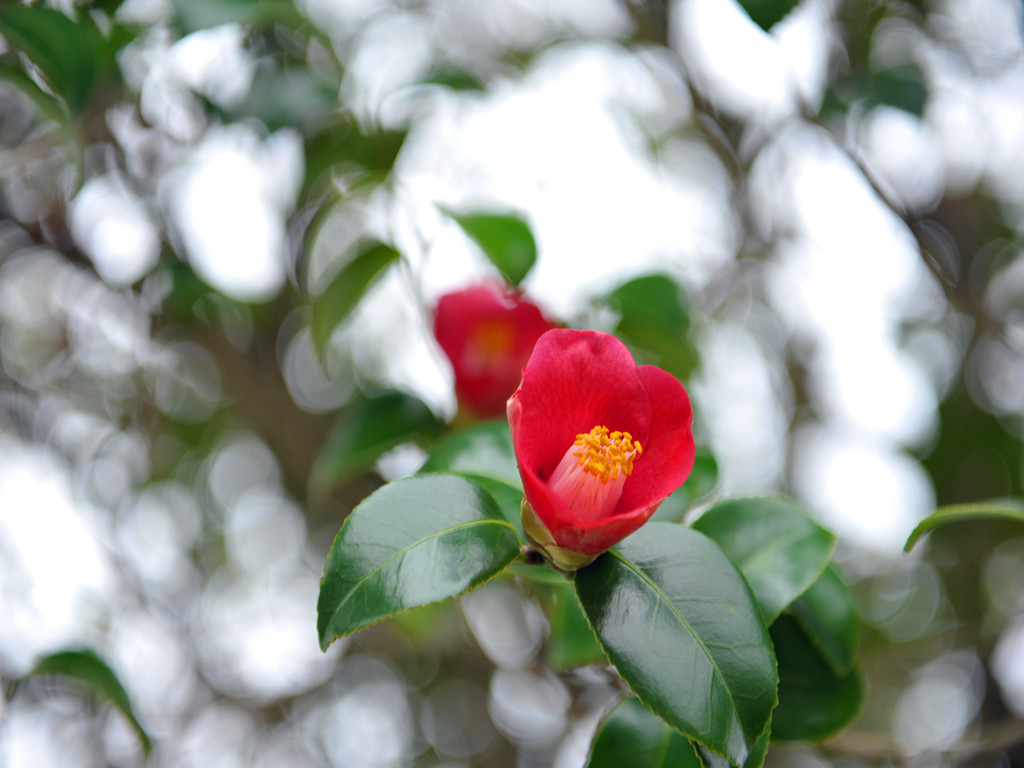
{"x": 605, "y": 454}
{"x": 593, "y": 471}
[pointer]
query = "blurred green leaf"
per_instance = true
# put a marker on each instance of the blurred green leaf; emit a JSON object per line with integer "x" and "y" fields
{"x": 344, "y": 143}
{"x": 65, "y": 51}
{"x": 289, "y": 97}
{"x": 902, "y": 87}
{"x": 453, "y": 79}
{"x": 194, "y": 15}
{"x": 1002, "y": 509}
{"x": 483, "y": 449}
{"x": 827, "y": 614}
{"x": 50, "y": 106}
{"x": 702, "y": 480}
{"x": 411, "y": 543}
{"x": 505, "y": 239}
{"x": 571, "y": 643}
{"x": 366, "y": 428}
{"x": 653, "y": 315}
{"x": 631, "y": 735}
{"x": 346, "y": 289}
{"x": 657, "y": 603}
{"x": 88, "y": 668}
{"x": 766, "y": 13}
{"x": 776, "y": 545}
{"x": 814, "y": 703}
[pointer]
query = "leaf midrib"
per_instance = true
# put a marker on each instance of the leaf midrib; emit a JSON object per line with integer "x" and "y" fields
{"x": 438, "y": 534}
{"x": 714, "y": 665}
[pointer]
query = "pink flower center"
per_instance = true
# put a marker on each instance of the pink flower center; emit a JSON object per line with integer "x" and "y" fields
{"x": 591, "y": 475}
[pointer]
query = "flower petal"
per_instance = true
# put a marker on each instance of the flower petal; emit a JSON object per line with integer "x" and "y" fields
{"x": 665, "y": 464}
{"x": 487, "y": 332}
{"x": 669, "y": 453}
{"x": 574, "y": 381}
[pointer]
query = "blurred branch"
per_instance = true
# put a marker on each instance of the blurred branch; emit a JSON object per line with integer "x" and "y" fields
{"x": 918, "y": 228}
{"x": 992, "y": 742}
{"x": 651, "y": 19}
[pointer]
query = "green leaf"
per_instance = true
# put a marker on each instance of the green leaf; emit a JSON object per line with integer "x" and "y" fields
{"x": 288, "y": 96}
{"x": 1002, "y": 509}
{"x": 814, "y": 703}
{"x": 65, "y": 51}
{"x": 776, "y": 545}
{"x": 345, "y": 144}
{"x": 654, "y": 316}
{"x": 827, "y": 614}
{"x": 631, "y": 735}
{"x": 411, "y": 543}
{"x": 702, "y": 480}
{"x": 366, "y": 428}
{"x": 483, "y": 450}
{"x": 571, "y": 643}
{"x": 51, "y": 107}
{"x": 509, "y": 498}
{"x": 86, "y": 667}
{"x": 346, "y": 289}
{"x": 505, "y": 239}
{"x": 679, "y": 622}
{"x": 754, "y": 760}
{"x": 766, "y": 13}
{"x": 902, "y": 87}
{"x": 482, "y": 453}
{"x": 202, "y": 14}
{"x": 453, "y": 79}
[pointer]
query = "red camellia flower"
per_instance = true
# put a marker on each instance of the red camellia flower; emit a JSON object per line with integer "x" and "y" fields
{"x": 600, "y": 443}
{"x": 487, "y": 332}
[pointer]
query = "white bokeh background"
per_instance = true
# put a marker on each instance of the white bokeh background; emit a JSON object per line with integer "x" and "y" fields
{"x": 592, "y": 141}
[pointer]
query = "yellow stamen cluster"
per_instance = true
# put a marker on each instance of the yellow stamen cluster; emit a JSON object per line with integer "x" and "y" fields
{"x": 604, "y": 454}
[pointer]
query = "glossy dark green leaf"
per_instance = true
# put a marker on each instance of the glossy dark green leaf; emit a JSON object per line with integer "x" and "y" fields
{"x": 346, "y": 289}
{"x": 509, "y": 498}
{"x": 654, "y": 317}
{"x": 631, "y": 735}
{"x": 571, "y": 643}
{"x": 65, "y": 51}
{"x": 767, "y": 13}
{"x": 814, "y": 703}
{"x": 1002, "y": 509}
{"x": 780, "y": 550}
{"x": 828, "y": 615}
{"x": 88, "y": 668}
{"x": 484, "y": 450}
{"x": 505, "y": 239}
{"x": 755, "y": 759}
{"x": 413, "y": 542}
{"x": 702, "y": 480}
{"x": 366, "y": 428}
{"x": 681, "y": 625}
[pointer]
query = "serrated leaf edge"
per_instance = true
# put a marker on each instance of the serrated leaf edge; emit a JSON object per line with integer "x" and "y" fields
{"x": 775, "y": 663}
{"x": 443, "y": 531}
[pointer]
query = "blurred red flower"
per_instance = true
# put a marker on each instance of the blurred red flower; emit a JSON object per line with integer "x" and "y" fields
{"x": 487, "y": 332}
{"x": 600, "y": 443}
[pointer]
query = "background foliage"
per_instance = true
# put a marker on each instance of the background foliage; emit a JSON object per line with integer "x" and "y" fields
{"x": 224, "y": 224}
